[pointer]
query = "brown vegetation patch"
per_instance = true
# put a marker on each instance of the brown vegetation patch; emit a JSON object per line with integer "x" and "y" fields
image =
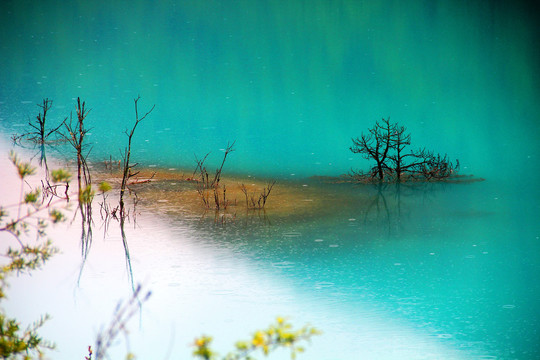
{"x": 176, "y": 191}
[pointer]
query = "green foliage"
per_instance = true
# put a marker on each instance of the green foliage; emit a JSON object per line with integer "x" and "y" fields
{"x": 86, "y": 195}
{"x": 279, "y": 335}
{"x": 56, "y": 216}
{"x": 16, "y": 343}
{"x": 3, "y": 213}
{"x": 32, "y": 197}
{"x": 24, "y": 169}
{"x": 60, "y": 175}
{"x": 28, "y": 257}
{"x": 104, "y": 186}
{"x": 202, "y": 350}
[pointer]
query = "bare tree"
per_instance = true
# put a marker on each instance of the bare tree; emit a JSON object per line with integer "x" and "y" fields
{"x": 76, "y": 133}
{"x": 399, "y": 140}
{"x": 260, "y": 202}
{"x": 375, "y": 145}
{"x": 434, "y": 166}
{"x": 207, "y": 182}
{"x": 127, "y": 174}
{"x": 387, "y": 144}
{"x": 40, "y": 133}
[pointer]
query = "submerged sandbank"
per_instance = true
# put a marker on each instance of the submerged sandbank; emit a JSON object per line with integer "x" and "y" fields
{"x": 176, "y": 190}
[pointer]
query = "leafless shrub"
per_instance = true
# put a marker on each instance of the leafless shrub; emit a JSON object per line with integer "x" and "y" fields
{"x": 208, "y": 187}
{"x": 128, "y": 167}
{"x": 254, "y": 202}
{"x": 40, "y": 133}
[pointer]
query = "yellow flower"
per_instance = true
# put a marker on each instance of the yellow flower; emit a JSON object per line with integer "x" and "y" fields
{"x": 202, "y": 341}
{"x": 258, "y": 339}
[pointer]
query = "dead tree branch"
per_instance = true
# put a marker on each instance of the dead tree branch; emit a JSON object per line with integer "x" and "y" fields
{"x": 127, "y": 172}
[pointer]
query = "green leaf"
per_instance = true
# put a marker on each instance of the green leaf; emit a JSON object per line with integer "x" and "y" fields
{"x": 23, "y": 169}
{"x": 60, "y": 175}
{"x": 32, "y": 197}
{"x": 56, "y": 216}
{"x": 87, "y": 195}
{"x": 104, "y": 186}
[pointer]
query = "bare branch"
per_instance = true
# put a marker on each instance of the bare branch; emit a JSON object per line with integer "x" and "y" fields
{"x": 386, "y": 144}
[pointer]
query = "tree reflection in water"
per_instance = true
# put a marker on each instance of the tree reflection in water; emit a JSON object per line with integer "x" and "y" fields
{"x": 389, "y": 203}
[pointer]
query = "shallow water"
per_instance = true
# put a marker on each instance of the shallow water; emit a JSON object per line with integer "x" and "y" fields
{"x": 420, "y": 271}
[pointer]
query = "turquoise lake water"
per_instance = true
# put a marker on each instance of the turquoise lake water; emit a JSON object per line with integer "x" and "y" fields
{"x": 443, "y": 271}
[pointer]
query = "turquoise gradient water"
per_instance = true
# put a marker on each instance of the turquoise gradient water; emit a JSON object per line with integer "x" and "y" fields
{"x": 446, "y": 271}
{"x": 443, "y": 271}
{"x": 292, "y": 83}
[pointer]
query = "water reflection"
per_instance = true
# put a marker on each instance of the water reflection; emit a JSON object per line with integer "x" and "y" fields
{"x": 85, "y": 211}
{"x": 407, "y": 257}
{"x": 379, "y": 205}
{"x": 428, "y": 288}
{"x": 396, "y": 207}
{"x": 336, "y": 271}
{"x": 119, "y": 214}
{"x": 126, "y": 251}
{"x": 248, "y": 218}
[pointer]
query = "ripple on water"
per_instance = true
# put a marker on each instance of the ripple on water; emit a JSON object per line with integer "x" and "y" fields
{"x": 283, "y": 264}
{"x": 410, "y": 301}
{"x": 292, "y": 234}
{"x": 323, "y": 285}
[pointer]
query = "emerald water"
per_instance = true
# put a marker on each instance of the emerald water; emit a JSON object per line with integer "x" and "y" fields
{"x": 436, "y": 271}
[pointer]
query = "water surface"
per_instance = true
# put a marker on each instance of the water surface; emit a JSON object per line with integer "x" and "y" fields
{"x": 419, "y": 271}
{"x": 424, "y": 271}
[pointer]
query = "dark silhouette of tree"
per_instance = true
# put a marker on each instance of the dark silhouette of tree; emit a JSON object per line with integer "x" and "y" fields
{"x": 75, "y": 134}
{"x": 375, "y": 145}
{"x": 128, "y": 167}
{"x": 399, "y": 140}
{"x": 387, "y": 144}
{"x": 39, "y": 134}
{"x": 434, "y": 166}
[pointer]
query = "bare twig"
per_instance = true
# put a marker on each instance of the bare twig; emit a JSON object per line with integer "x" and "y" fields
{"x": 127, "y": 174}
{"x": 257, "y": 203}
